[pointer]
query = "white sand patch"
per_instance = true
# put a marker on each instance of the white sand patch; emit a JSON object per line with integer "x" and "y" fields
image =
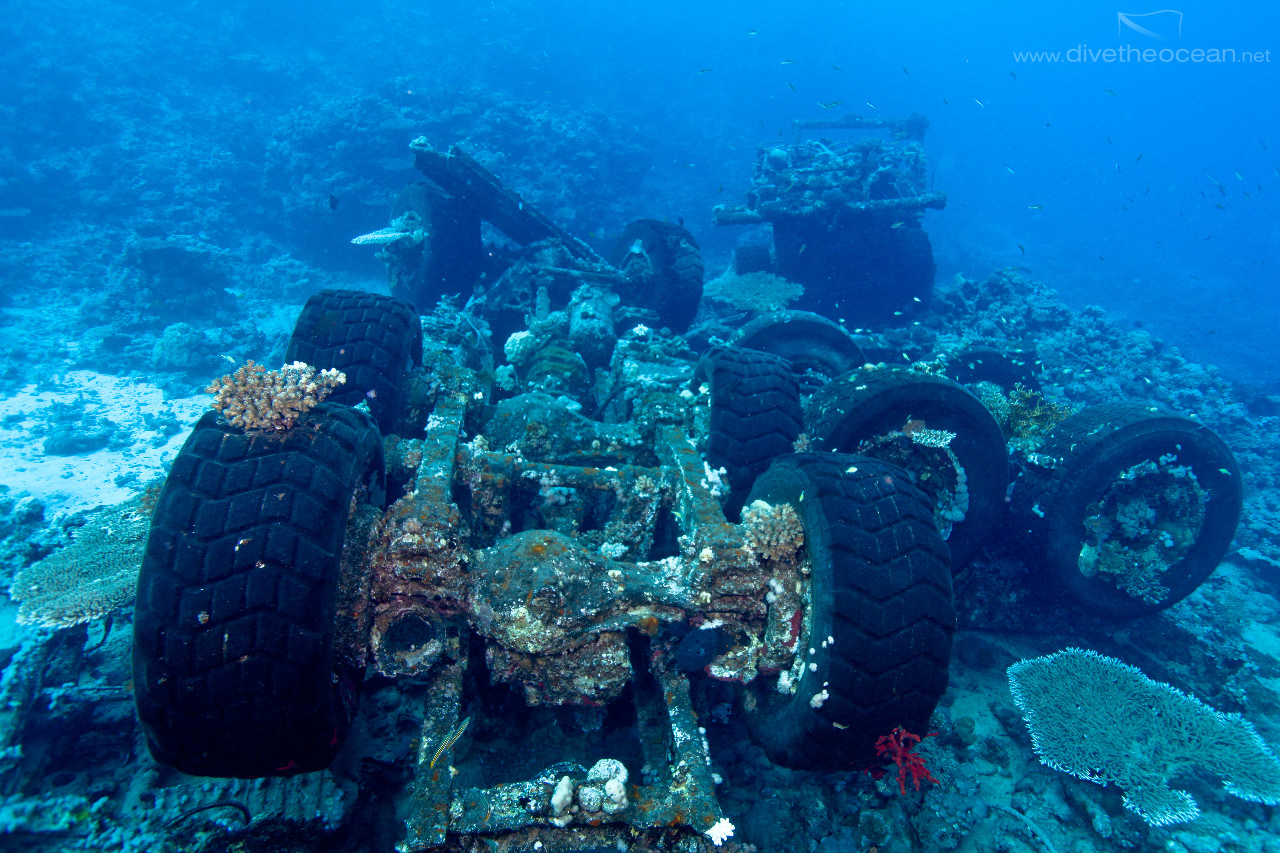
{"x": 71, "y": 483}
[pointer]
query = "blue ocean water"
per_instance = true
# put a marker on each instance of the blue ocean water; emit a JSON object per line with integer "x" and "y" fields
{"x": 1154, "y": 177}
{"x": 179, "y": 179}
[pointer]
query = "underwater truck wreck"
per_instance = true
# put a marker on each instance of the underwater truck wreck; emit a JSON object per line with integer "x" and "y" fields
{"x": 588, "y": 523}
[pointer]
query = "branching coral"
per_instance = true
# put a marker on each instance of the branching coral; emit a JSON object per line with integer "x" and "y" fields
{"x": 255, "y": 398}
{"x": 773, "y": 532}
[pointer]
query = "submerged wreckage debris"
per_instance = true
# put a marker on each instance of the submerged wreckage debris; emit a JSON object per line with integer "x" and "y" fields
{"x": 846, "y": 218}
{"x": 548, "y": 499}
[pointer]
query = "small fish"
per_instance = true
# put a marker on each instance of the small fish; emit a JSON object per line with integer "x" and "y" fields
{"x": 897, "y": 224}
{"x": 899, "y": 314}
{"x": 449, "y": 741}
{"x": 836, "y": 68}
{"x": 1009, "y": 169}
{"x": 979, "y": 103}
{"x": 828, "y": 105}
{"x": 789, "y": 83}
{"x": 1111, "y": 92}
{"x": 1239, "y": 177}
{"x": 1263, "y": 143}
{"x": 1136, "y": 159}
{"x": 704, "y": 71}
{"x": 1035, "y": 207}
{"x": 1022, "y": 249}
{"x": 1014, "y": 76}
{"x": 904, "y": 70}
{"x": 788, "y": 62}
{"x": 753, "y": 32}
{"x": 873, "y": 106}
{"x": 720, "y": 190}
{"x": 1220, "y": 207}
{"x": 802, "y": 248}
{"x": 333, "y": 201}
{"x": 1248, "y": 197}
{"x": 945, "y": 101}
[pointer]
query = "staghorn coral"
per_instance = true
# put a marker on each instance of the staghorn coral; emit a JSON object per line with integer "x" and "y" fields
{"x": 92, "y": 576}
{"x": 254, "y": 398}
{"x": 773, "y": 532}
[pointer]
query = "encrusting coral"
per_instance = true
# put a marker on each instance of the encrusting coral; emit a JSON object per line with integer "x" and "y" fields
{"x": 255, "y": 398}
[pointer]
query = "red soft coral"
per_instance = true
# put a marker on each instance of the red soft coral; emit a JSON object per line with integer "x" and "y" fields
{"x": 898, "y": 745}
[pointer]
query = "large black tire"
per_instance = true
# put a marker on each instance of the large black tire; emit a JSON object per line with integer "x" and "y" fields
{"x": 755, "y": 415}
{"x": 670, "y": 279}
{"x": 862, "y": 275}
{"x": 375, "y": 340}
{"x": 867, "y": 404}
{"x": 879, "y": 613}
{"x": 1082, "y": 458}
{"x": 235, "y": 671}
{"x": 817, "y": 348}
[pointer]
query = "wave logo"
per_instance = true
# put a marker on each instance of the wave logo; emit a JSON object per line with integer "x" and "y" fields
{"x": 1157, "y": 25}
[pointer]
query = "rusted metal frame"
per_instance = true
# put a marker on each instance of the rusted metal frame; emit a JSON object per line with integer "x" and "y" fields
{"x": 755, "y": 216}
{"x": 463, "y": 177}
{"x": 607, "y": 276}
{"x": 702, "y": 521}
{"x": 633, "y": 502}
{"x": 685, "y": 796}
{"x": 427, "y": 823}
{"x": 912, "y": 127}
